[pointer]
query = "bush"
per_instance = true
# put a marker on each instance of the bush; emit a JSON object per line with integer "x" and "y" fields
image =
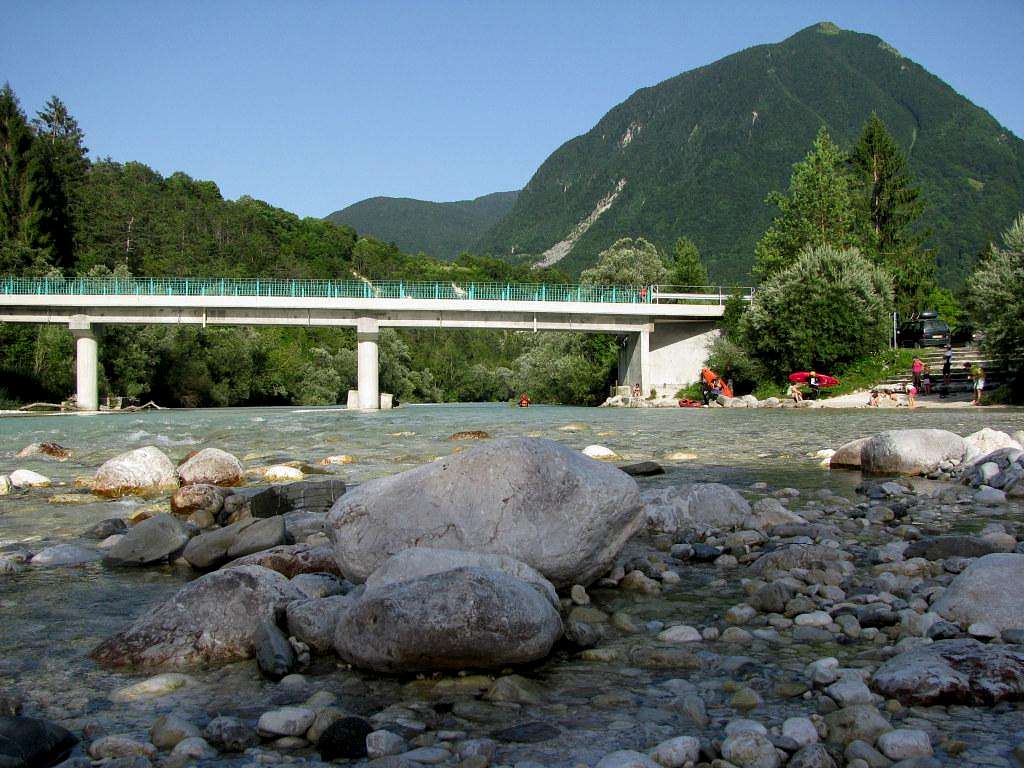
{"x": 731, "y": 361}
{"x": 997, "y": 296}
{"x": 827, "y": 309}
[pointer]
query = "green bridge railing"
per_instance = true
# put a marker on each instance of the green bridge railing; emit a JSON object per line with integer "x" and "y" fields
{"x": 355, "y": 289}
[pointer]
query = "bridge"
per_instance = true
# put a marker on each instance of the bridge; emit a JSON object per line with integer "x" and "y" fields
{"x": 666, "y": 328}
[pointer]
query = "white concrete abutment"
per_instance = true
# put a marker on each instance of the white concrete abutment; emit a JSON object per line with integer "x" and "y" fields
{"x": 368, "y": 363}
{"x": 86, "y": 363}
{"x": 666, "y": 356}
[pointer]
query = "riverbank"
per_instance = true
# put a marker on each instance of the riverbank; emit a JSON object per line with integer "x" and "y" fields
{"x": 678, "y": 640}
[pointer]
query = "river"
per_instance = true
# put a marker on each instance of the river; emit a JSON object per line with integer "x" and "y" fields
{"x": 52, "y": 617}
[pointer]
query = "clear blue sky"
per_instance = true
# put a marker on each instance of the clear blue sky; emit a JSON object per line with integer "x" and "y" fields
{"x": 313, "y": 106}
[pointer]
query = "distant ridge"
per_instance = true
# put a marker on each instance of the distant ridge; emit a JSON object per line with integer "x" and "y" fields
{"x": 697, "y": 154}
{"x": 443, "y": 230}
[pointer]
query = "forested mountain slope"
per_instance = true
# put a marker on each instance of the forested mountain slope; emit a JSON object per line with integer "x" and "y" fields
{"x": 697, "y": 154}
{"x": 442, "y": 230}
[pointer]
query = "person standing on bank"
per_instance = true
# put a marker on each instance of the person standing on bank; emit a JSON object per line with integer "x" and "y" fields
{"x": 916, "y": 369}
{"x": 947, "y": 364}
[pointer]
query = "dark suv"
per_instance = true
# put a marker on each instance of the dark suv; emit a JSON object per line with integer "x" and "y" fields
{"x": 924, "y": 331}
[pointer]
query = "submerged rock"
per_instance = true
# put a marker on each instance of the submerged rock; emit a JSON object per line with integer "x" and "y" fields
{"x": 50, "y": 449}
{"x": 989, "y": 591}
{"x": 961, "y": 671}
{"x": 144, "y": 470}
{"x": 535, "y": 500}
{"x": 459, "y": 619}
{"x": 33, "y": 742}
{"x": 65, "y": 554}
{"x": 911, "y": 451}
{"x": 211, "y": 620}
{"x": 211, "y": 466}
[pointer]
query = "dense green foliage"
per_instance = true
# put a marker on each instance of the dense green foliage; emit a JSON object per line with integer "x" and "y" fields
{"x": 63, "y": 214}
{"x": 827, "y": 309}
{"x": 686, "y": 269}
{"x": 705, "y": 148}
{"x": 441, "y": 230}
{"x": 997, "y": 296}
{"x": 818, "y": 211}
{"x": 891, "y": 208}
{"x": 627, "y": 262}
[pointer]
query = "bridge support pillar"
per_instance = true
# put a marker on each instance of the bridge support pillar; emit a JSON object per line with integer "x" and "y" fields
{"x": 635, "y": 362}
{"x": 368, "y": 363}
{"x": 86, "y": 363}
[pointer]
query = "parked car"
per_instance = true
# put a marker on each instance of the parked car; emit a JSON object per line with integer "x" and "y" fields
{"x": 924, "y": 332}
{"x": 965, "y": 335}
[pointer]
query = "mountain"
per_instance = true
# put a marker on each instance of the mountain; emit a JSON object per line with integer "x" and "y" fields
{"x": 443, "y": 230}
{"x": 697, "y": 154}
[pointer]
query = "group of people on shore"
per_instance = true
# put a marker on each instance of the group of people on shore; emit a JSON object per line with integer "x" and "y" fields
{"x": 921, "y": 381}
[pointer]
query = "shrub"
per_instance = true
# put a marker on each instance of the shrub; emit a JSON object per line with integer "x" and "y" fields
{"x": 828, "y": 308}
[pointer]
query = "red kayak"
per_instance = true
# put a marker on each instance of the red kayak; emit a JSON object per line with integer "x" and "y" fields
{"x": 824, "y": 380}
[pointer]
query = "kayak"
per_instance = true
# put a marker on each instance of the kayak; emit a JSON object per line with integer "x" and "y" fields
{"x": 824, "y": 381}
{"x": 687, "y": 403}
{"x": 710, "y": 377}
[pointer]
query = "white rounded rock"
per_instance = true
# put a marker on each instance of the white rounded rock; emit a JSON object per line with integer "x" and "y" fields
{"x": 680, "y": 634}
{"x": 801, "y": 730}
{"x": 286, "y": 721}
{"x": 281, "y": 473}
{"x": 600, "y": 452}
{"x": 904, "y": 743}
{"x": 677, "y": 752}
{"x": 26, "y": 478}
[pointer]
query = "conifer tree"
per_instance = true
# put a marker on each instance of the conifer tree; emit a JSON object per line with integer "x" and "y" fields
{"x": 818, "y": 210}
{"x": 891, "y": 206}
{"x": 25, "y": 238}
{"x": 687, "y": 269}
{"x": 63, "y": 162}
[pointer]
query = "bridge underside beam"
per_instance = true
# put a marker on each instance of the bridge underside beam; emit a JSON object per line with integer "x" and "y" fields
{"x": 328, "y": 319}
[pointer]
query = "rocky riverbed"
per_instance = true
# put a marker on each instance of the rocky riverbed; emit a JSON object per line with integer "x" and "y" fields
{"x": 517, "y": 602}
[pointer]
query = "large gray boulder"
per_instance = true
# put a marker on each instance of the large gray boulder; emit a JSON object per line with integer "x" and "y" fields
{"x": 468, "y": 618}
{"x": 416, "y": 562}
{"x": 987, "y": 440}
{"x": 143, "y": 471}
{"x": 953, "y": 672}
{"x": 151, "y": 541}
{"x": 538, "y": 501}
{"x": 910, "y": 451}
{"x": 33, "y": 742}
{"x": 990, "y": 591}
{"x": 702, "y": 506}
{"x": 314, "y": 621}
{"x": 211, "y": 466}
{"x": 209, "y": 550}
{"x": 315, "y": 496}
{"x": 208, "y": 621}
{"x": 847, "y": 456}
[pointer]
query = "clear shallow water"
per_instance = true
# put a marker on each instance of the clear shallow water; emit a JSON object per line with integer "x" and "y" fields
{"x": 52, "y": 617}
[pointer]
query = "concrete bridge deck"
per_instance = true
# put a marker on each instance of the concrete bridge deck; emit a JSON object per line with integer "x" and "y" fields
{"x": 666, "y": 329}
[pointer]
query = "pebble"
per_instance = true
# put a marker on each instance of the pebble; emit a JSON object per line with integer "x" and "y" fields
{"x": 109, "y": 747}
{"x": 168, "y": 730}
{"x": 801, "y": 730}
{"x": 384, "y": 743}
{"x": 626, "y": 758}
{"x": 749, "y": 749}
{"x": 680, "y": 634}
{"x": 286, "y": 721}
{"x": 193, "y": 748}
{"x": 579, "y": 595}
{"x": 152, "y": 687}
{"x": 677, "y": 752}
{"x": 904, "y": 743}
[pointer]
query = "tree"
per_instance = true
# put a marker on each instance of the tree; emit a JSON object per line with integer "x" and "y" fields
{"x": 892, "y": 207}
{"x": 828, "y": 308}
{"x": 59, "y": 144}
{"x": 996, "y": 296}
{"x": 687, "y": 269}
{"x": 819, "y": 210}
{"x": 627, "y": 262}
{"x": 24, "y": 243}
